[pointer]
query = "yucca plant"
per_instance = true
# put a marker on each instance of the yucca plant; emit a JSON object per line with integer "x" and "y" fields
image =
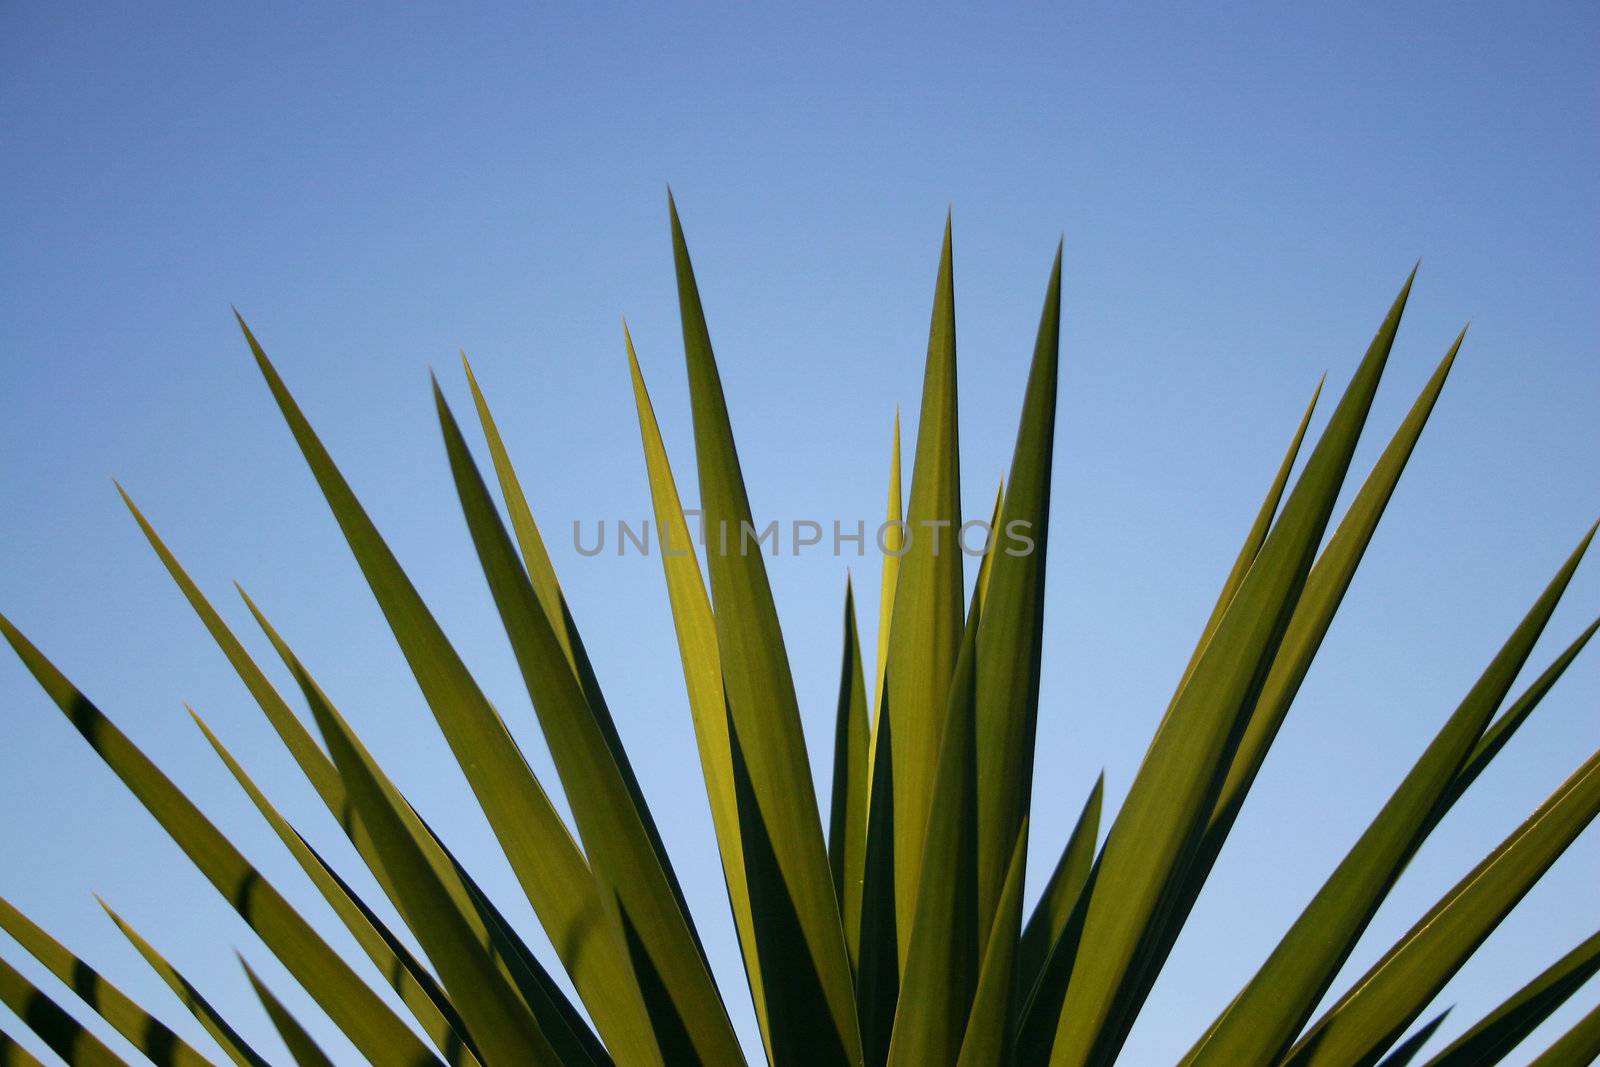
{"x": 899, "y": 935}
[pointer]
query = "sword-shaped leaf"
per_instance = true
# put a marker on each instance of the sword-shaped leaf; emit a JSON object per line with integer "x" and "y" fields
{"x": 990, "y": 1025}
{"x": 875, "y": 943}
{"x": 319, "y": 770}
{"x": 301, "y": 1047}
{"x": 235, "y": 1047}
{"x": 1062, "y": 891}
{"x": 502, "y": 1027}
{"x": 1503, "y": 1029}
{"x": 1500, "y": 731}
{"x": 542, "y": 854}
{"x": 411, "y": 981}
{"x": 847, "y": 814}
{"x": 1158, "y": 827}
{"x": 941, "y": 973}
{"x": 1325, "y": 589}
{"x": 356, "y": 1009}
{"x": 12, "y": 1054}
{"x": 1395, "y": 990}
{"x": 928, "y": 604}
{"x": 516, "y": 962}
{"x": 1264, "y": 1018}
{"x": 144, "y": 1031}
{"x": 1578, "y": 1047}
{"x": 1011, "y": 636}
{"x": 798, "y": 929}
{"x": 980, "y": 587}
{"x": 696, "y": 631}
{"x": 1407, "y": 1050}
{"x": 1253, "y": 541}
{"x": 67, "y": 1037}
{"x": 894, "y": 541}
{"x": 623, "y": 853}
{"x": 542, "y": 575}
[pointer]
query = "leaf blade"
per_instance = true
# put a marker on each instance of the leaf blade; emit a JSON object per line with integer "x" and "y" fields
{"x": 766, "y": 736}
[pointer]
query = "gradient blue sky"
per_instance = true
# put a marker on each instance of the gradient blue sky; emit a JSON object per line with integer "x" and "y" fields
{"x": 1242, "y": 189}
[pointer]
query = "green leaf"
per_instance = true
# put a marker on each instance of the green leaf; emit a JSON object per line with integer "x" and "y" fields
{"x": 798, "y": 928}
{"x": 1061, "y": 892}
{"x": 1157, "y": 829}
{"x": 928, "y": 604}
{"x": 1011, "y": 635}
{"x": 876, "y": 945}
{"x": 980, "y": 587}
{"x": 632, "y": 873}
{"x": 506, "y": 946}
{"x": 542, "y": 575}
{"x": 1407, "y": 1050}
{"x": 696, "y": 630}
{"x": 301, "y": 1047}
{"x": 1397, "y": 988}
{"x": 878, "y": 965}
{"x": 1578, "y": 1047}
{"x": 54, "y": 1026}
{"x": 1253, "y": 541}
{"x": 144, "y": 1031}
{"x": 503, "y": 1028}
{"x": 313, "y": 762}
{"x": 12, "y": 1054}
{"x": 411, "y": 981}
{"x": 1272, "y": 1007}
{"x": 941, "y": 971}
{"x": 894, "y": 540}
{"x": 1500, "y": 731}
{"x": 547, "y": 862}
{"x": 847, "y": 814}
{"x": 1503, "y": 1029}
{"x": 507, "y": 949}
{"x": 1324, "y": 590}
{"x": 988, "y": 1037}
{"x": 234, "y": 1046}
{"x": 356, "y": 1009}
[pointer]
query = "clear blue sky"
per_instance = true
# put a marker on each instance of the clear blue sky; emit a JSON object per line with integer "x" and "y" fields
{"x": 1242, "y": 189}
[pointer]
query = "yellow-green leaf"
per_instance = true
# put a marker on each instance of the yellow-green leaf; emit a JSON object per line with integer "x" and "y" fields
{"x": 796, "y": 913}
{"x": 1491, "y": 1038}
{"x": 696, "y": 630}
{"x": 847, "y": 814}
{"x": 1011, "y": 636}
{"x": 510, "y": 953}
{"x": 1325, "y": 588}
{"x": 406, "y": 975}
{"x": 633, "y": 875}
{"x": 1407, "y": 1050}
{"x": 356, "y": 1009}
{"x": 988, "y": 1038}
{"x": 928, "y": 601}
{"x": 894, "y": 540}
{"x": 1578, "y": 1047}
{"x": 301, "y": 1047}
{"x": 941, "y": 972}
{"x": 234, "y": 1046}
{"x": 1264, "y": 1018}
{"x": 1062, "y": 891}
{"x": 54, "y": 1026}
{"x": 1170, "y": 798}
{"x": 1397, "y": 988}
{"x": 144, "y": 1031}
{"x": 548, "y": 865}
{"x": 503, "y": 1028}
{"x": 12, "y": 1054}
